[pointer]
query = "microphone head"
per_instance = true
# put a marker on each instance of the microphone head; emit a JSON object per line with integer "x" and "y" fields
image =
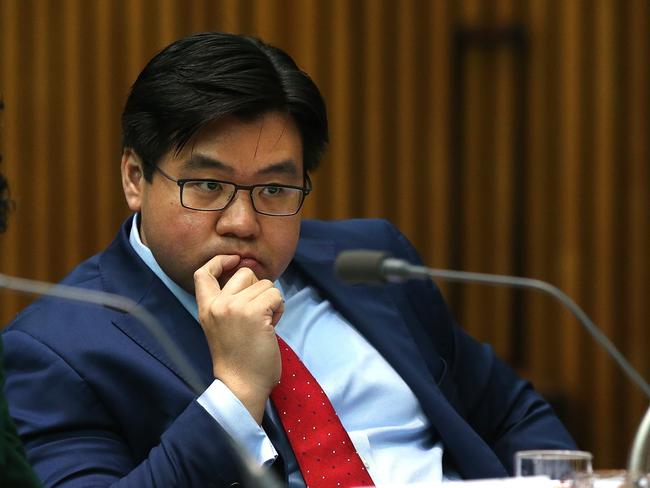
{"x": 361, "y": 266}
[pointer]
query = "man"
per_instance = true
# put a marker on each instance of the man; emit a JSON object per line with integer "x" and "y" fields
{"x": 221, "y": 133}
{"x": 14, "y": 468}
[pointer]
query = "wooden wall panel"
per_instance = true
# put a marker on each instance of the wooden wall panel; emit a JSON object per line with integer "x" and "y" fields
{"x": 372, "y": 128}
{"x": 571, "y": 195}
{"x": 501, "y": 136}
{"x": 539, "y": 199}
{"x": 634, "y": 258}
{"x": 436, "y": 161}
{"x": 604, "y": 178}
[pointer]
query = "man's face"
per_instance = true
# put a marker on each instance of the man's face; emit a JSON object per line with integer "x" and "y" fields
{"x": 266, "y": 150}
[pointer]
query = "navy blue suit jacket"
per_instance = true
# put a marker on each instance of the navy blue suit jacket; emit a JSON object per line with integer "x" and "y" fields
{"x": 98, "y": 402}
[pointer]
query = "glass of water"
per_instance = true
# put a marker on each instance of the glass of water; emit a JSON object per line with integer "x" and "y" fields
{"x": 558, "y": 465}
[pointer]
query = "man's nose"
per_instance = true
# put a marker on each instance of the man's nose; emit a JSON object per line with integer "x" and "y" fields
{"x": 239, "y": 218}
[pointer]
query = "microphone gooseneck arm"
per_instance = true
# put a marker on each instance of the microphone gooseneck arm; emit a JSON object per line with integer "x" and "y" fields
{"x": 422, "y": 272}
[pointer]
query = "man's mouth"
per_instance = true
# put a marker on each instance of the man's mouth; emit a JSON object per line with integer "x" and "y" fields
{"x": 248, "y": 262}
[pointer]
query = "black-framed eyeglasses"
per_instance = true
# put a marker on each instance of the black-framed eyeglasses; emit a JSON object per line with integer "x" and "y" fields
{"x": 268, "y": 199}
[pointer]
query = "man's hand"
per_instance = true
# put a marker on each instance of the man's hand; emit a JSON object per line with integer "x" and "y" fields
{"x": 238, "y": 321}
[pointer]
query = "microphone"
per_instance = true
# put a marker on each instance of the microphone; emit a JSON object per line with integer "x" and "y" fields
{"x": 378, "y": 267}
{"x": 254, "y": 475}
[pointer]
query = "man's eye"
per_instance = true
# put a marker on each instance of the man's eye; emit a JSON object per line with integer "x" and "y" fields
{"x": 273, "y": 191}
{"x": 207, "y": 186}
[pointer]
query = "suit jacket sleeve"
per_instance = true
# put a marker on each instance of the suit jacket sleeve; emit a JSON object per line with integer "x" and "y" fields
{"x": 72, "y": 440}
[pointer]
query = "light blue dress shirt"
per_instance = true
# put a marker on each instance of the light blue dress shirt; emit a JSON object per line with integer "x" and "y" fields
{"x": 379, "y": 411}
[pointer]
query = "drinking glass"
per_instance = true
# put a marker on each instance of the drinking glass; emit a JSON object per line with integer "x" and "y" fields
{"x": 556, "y": 464}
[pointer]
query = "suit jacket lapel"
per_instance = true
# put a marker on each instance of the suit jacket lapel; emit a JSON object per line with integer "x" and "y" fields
{"x": 124, "y": 273}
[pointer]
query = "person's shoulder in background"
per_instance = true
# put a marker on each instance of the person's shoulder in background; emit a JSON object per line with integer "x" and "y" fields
{"x": 15, "y": 470}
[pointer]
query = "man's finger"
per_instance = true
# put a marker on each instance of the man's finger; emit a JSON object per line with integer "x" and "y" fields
{"x": 205, "y": 278}
{"x": 269, "y": 302}
{"x": 251, "y": 292}
{"x": 242, "y": 279}
{"x": 277, "y": 314}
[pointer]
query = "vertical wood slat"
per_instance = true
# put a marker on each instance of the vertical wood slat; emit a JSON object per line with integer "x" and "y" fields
{"x": 265, "y": 21}
{"x": 168, "y": 26}
{"x": 437, "y": 158}
{"x": 570, "y": 183}
{"x": 74, "y": 132}
{"x": 42, "y": 184}
{"x": 603, "y": 219}
{"x": 304, "y": 42}
{"x": 367, "y": 57}
{"x": 135, "y": 19}
{"x": 228, "y": 16}
{"x": 374, "y": 158}
{"x": 471, "y": 150}
{"x": 536, "y": 334}
{"x": 104, "y": 119}
{"x": 197, "y": 15}
{"x": 501, "y": 219}
{"x": 637, "y": 198}
{"x": 339, "y": 198}
{"x": 406, "y": 118}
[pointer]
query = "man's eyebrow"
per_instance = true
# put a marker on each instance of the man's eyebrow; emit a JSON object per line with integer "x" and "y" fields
{"x": 201, "y": 161}
{"x": 286, "y": 167}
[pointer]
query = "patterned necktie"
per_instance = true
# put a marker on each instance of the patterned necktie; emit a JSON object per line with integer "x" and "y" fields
{"x": 325, "y": 454}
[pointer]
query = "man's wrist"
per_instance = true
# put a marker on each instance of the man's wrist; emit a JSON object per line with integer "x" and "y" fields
{"x": 228, "y": 410}
{"x": 251, "y": 396}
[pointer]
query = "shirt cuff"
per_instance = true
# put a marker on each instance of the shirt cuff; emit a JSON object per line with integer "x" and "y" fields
{"x": 225, "y": 408}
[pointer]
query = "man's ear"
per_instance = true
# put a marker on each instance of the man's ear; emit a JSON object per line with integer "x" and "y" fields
{"x": 132, "y": 179}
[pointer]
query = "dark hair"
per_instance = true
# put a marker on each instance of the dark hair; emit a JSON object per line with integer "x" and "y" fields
{"x": 206, "y": 77}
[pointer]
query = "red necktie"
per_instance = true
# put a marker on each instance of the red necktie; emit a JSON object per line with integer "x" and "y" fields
{"x": 325, "y": 454}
